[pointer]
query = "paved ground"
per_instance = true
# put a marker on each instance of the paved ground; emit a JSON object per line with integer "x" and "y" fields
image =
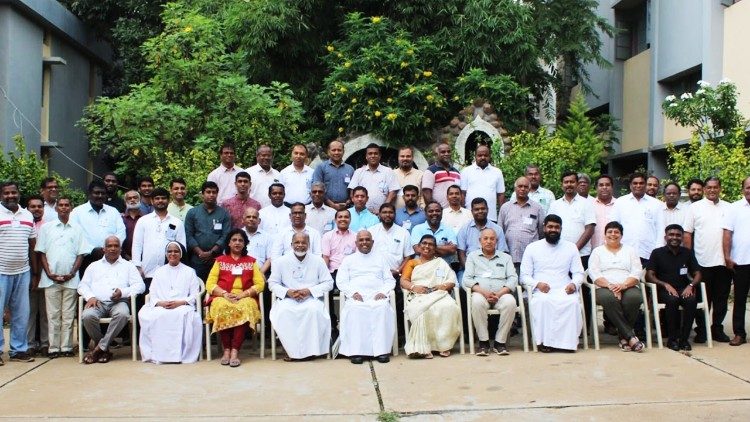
{"x": 588, "y": 385}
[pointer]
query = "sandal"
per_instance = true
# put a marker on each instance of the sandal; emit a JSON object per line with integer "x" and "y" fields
{"x": 92, "y": 356}
{"x": 445, "y": 354}
{"x": 636, "y": 345}
{"x": 233, "y": 363}
{"x": 105, "y": 357}
{"x": 427, "y": 355}
{"x": 288, "y": 359}
{"x": 624, "y": 345}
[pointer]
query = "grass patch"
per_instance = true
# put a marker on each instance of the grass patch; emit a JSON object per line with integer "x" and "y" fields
{"x": 386, "y": 416}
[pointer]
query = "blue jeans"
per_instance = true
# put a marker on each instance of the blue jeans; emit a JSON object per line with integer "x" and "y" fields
{"x": 14, "y": 294}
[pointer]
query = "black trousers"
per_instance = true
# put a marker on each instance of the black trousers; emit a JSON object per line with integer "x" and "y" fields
{"x": 718, "y": 281}
{"x": 678, "y": 327}
{"x": 741, "y": 288}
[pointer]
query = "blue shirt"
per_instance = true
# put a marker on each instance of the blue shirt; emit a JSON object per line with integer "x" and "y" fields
{"x": 408, "y": 221}
{"x": 362, "y": 220}
{"x": 443, "y": 235}
{"x": 468, "y": 237}
{"x": 335, "y": 178}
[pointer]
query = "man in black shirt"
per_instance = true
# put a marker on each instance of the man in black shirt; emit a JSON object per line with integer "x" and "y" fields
{"x": 675, "y": 271}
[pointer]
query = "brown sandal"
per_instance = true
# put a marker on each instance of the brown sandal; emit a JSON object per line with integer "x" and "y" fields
{"x": 105, "y": 357}
{"x": 91, "y": 357}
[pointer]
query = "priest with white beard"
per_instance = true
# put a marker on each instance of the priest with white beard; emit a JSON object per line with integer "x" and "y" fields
{"x": 299, "y": 280}
{"x": 553, "y": 295}
{"x": 367, "y": 320}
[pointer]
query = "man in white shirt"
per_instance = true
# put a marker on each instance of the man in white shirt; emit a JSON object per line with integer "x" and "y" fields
{"x": 538, "y": 194}
{"x": 283, "y": 242}
{"x": 367, "y": 318}
{"x": 299, "y": 281}
{"x": 275, "y": 217}
{"x": 641, "y": 218}
{"x": 297, "y": 177}
{"x": 583, "y": 186}
{"x": 736, "y": 246}
{"x": 483, "y": 180}
{"x": 49, "y": 190}
{"x": 392, "y": 241}
{"x": 379, "y": 180}
{"x": 553, "y": 294}
{"x": 704, "y": 234}
{"x": 263, "y": 175}
{"x": 177, "y": 206}
{"x": 674, "y": 211}
{"x": 455, "y": 215}
{"x": 224, "y": 175}
{"x": 260, "y": 243}
{"x": 106, "y": 286}
{"x": 652, "y": 186}
{"x": 319, "y": 215}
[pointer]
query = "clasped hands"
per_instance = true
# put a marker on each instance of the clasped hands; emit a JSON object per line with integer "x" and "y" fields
{"x": 358, "y": 297}
{"x": 170, "y": 304}
{"x": 545, "y": 288}
{"x": 298, "y": 294}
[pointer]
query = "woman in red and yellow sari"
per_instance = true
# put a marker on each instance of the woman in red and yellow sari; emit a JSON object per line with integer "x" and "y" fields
{"x": 234, "y": 283}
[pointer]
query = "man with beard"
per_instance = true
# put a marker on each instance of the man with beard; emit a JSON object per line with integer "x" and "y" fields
{"x": 237, "y": 204}
{"x": 379, "y": 180}
{"x": 674, "y": 212}
{"x": 652, "y": 186}
{"x": 224, "y": 175}
{"x": 406, "y": 174}
{"x": 439, "y": 177}
{"x": 695, "y": 190}
{"x": 37, "y": 306}
{"x": 675, "y": 271}
{"x": 444, "y": 235}
{"x": 49, "y": 190}
{"x": 483, "y": 180}
{"x": 274, "y": 217}
{"x": 367, "y": 317}
{"x": 283, "y": 242}
{"x": 521, "y": 221}
{"x": 145, "y": 189}
{"x": 206, "y": 226}
{"x": 335, "y": 175}
{"x": 130, "y": 218}
{"x": 98, "y": 221}
{"x": 263, "y": 175}
{"x": 113, "y": 197}
{"x": 177, "y": 206}
{"x": 538, "y": 194}
{"x": 552, "y": 273}
{"x": 603, "y": 205}
{"x": 411, "y": 214}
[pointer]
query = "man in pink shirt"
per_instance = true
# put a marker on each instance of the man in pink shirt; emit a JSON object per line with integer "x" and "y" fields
{"x": 335, "y": 245}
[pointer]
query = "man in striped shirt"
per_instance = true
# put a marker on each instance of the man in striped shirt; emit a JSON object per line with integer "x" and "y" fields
{"x": 439, "y": 177}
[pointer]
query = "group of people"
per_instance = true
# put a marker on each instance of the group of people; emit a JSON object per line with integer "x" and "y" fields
{"x": 369, "y": 234}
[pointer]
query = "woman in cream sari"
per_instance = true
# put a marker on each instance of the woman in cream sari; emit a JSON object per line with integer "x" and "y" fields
{"x": 434, "y": 315}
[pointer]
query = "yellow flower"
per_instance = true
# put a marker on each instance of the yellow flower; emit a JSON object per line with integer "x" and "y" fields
{"x": 339, "y": 55}
{"x": 404, "y": 64}
{"x": 188, "y": 29}
{"x": 136, "y": 152}
{"x": 376, "y": 19}
{"x": 354, "y": 101}
{"x": 330, "y": 49}
{"x": 348, "y": 64}
{"x": 410, "y": 51}
{"x": 381, "y": 80}
{"x": 412, "y": 90}
{"x": 348, "y": 110}
{"x": 391, "y": 116}
{"x": 342, "y": 89}
{"x": 427, "y": 73}
{"x": 427, "y": 120}
{"x": 341, "y": 129}
{"x": 389, "y": 99}
{"x": 455, "y": 98}
{"x": 430, "y": 98}
{"x": 378, "y": 113}
{"x": 416, "y": 76}
{"x": 370, "y": 102}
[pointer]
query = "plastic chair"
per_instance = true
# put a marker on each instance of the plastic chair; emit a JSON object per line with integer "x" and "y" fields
{"x": 583, "y": 315}
{"x": 131, "y": 321}
{"x": 658, "y": 306}
{"x": 392, "y": 297}
{"x": 595, "y": 307}
{"x": 458, "y": 302}
{"x": 260, "y": 329}
{"x": 273, "y": 331}
{"x": 520, "y": 309}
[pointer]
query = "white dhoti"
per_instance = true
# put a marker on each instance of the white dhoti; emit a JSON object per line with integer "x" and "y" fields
{"x": 556, "y": 318}
{"x": 367, "y": 328}
{"x": 303, "y": 327}
{"x": 170, "y": 335}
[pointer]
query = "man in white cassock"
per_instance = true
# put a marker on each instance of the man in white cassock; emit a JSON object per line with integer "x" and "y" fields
{"x": 299, "y": 280}
{"x": 552, "y": 273}
{"x": 367, "y": 320}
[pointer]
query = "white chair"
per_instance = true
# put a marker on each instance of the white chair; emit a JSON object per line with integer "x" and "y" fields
{"x": 198, "y": 304}
{"x": 131, "y": 321}
{"x": 392, "y": 296}
{"x": 656, "y": 307}
{"x": 260, "y": 329}
{"x": 457, "y": 298}
{"x": 520, "y": 309}
{"x": 595, "y": 307}
{"x": 583, "y": 315}
{"x": 273, "y": 332}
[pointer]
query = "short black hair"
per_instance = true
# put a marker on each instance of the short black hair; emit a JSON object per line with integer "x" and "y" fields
{"x": 160, "y": 191}
{"x": 552, "y": 218}
{"x": 209, "y": 185}
{"x": 386, "y": 205}
{"x": 46, "y": 181}
{"x": 410, "y": 188}
{"x": 637, "y": 175}
{"x": 360, "y": 188}
{"x": 568, "y": 173}
{"x": 605, "y": 176}
{"x": 695, "y": 181}
{"x": 145, "y": 179}
{"x": 479, "y": 200}
{"x": 178, "y": 180}
{"x": 614, "y": 225}
{"x": 276, "y": 185}
{"x": 674, "y": 227}
{"x": 242, "y": 174}
{"x": 96, "y": 183}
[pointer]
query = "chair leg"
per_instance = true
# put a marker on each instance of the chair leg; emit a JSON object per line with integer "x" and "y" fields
{"x": 273, "y": 344}
{"x": 80, "y": 330}
{"x": 470, "y": 324}
{"x": 594, "y": 317}
{"x": 657, "y": 322}
{"x": 585, "y": 329}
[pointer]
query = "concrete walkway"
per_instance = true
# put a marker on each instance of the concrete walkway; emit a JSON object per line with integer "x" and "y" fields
{"x": 594, "y": 385}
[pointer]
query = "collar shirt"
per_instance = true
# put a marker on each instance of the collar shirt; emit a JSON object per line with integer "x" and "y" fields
{"x": 205, "y": 229}
{"x": 491, "y": 273}
{"x": 283, "y": 241}
{"x": 675, "y": 215}
{"x": 576, "y": 215}
{"x": 444, "y": 235}
{"x": 362, "y": 220}
{"x": 288, "y": 272}
{"x": 297, "y": 184}
{"x": 672, "y": 268}
{"x": 337, "y": 245}
{"x": 468, "y": 237}
{"x": 455, "y": 219}
{"x": 543, "y": 261}
{"x": 178, "y": 211}
{"x": 336, "y": 178}
{"x": 484, "y": 183}
{"x": 259, "y": 245}
{"x": 321, "y": 219}
{"x": 50, "y": 213}
{"x": 641, "y": 220}
{"x": 439, "y": 179}
{"x": 541, "y": 196}
{"x": 736, "y": 221}
{"x": 379, "y": 183}
{"x": 16, "y": 228}
{"x": 260, "y": 181}
{"x": 224, "y": 178}
{"x": 521, "y": 224}
{"x": 61, "y": 244}
{"x": 274, "y": 219}
{"x": 603, "y": 213}
{"x": 236, "y": 207}
{"x": 406, "y": 220}
{"x": 145, "y": 208}
{"x": 393, "y": 244}
{"x": 704, "y": 220}
{"x": 102, "y": 278}
{"x": 365, "y": 274}
{"x": 150, "y": 238}
{"x": 412, "y": 177}
{"x": 97, "y": 226}
{"x": 615, "y": 267}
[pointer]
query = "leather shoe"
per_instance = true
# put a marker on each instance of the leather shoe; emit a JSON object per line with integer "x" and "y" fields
{"x": 737, "y": 340}
{"x": 720, "y": 336}
{"x": 699, "y": 338}
{"x": 685, "y": 345}
{"x": 357, "y": 360}
{"x": 383, "y": 358}
{"x": 673, "y": 345}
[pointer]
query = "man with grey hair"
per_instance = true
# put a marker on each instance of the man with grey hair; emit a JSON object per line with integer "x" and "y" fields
{"x": 130, "y": 218}
{"x": 584, "y": 185}
{"x": 538, "y": 194}
{"x": 319, "y": 215}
